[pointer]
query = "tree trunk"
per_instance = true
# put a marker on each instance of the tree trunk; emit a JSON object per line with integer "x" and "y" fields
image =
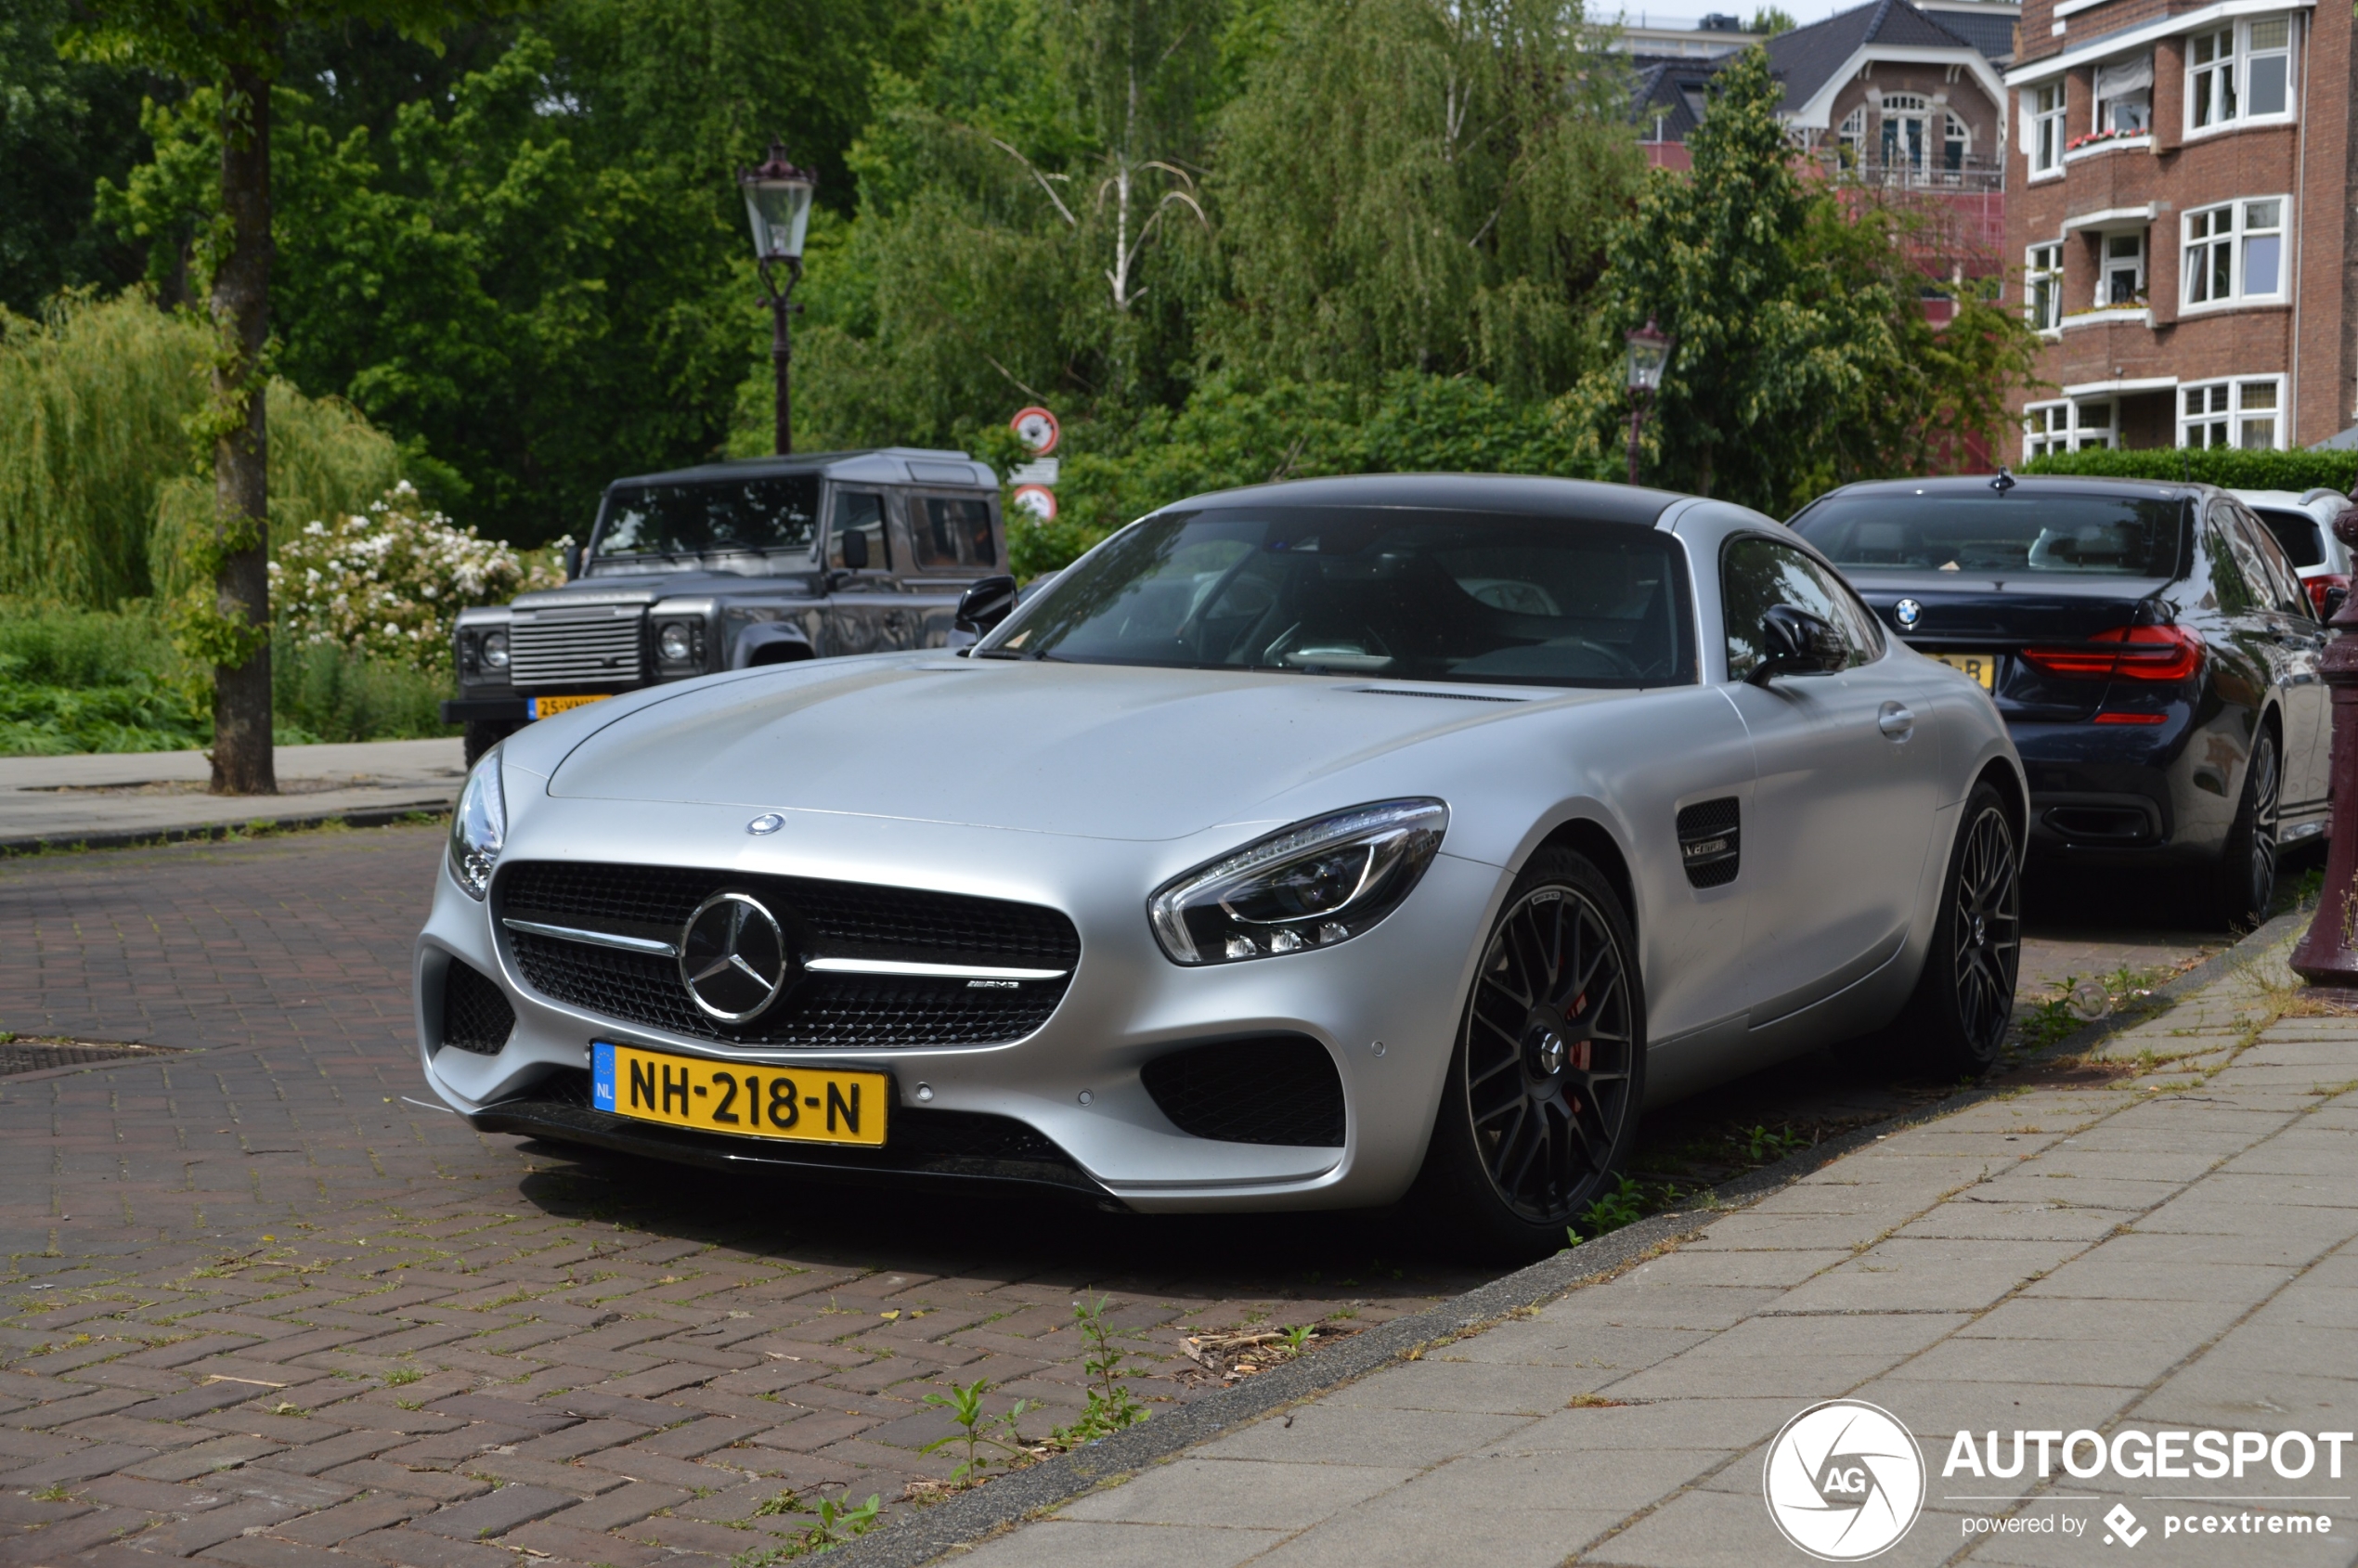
{"x": 241, "y": 758}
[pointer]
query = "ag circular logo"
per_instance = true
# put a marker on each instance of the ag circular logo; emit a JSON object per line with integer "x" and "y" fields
{"x": 1844, "y": 1481}
{"x": 732, "y": 957}
{"x": 1907, "y": 612}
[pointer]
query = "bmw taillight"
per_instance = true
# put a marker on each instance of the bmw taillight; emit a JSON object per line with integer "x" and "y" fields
{"x": 2129, "y": 653}
{"x": 2320, "y": 586}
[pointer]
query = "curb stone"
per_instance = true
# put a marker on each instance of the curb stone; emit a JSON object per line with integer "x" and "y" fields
{"x": 139, "y": 839}
{"x": 921, "y": 1536}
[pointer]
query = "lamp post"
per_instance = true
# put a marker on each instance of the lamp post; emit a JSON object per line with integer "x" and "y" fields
{"x": 778, "y": 204}
{"x": 1649, "y": 352}
{"x": 2329, "y": 953}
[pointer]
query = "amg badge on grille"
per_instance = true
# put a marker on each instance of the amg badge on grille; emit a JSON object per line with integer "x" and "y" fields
{"x": 733, "y": 957}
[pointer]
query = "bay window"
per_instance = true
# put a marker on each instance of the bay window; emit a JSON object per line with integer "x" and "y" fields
{"x": 2243, "y": 412}
{"x": 2124, "y": 276}
{"x": 2239, "y": 73}
{"x": 2066, "y": 427}
{"x": 2042, "y": 288}
{"x": 2235, "y": 253}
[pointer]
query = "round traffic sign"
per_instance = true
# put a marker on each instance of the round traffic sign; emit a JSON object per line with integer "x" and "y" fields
{"x": 1037, "y": 499}
{"x": 1037, "y": 429}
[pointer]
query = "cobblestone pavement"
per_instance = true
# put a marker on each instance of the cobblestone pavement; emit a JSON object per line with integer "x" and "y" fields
{"x": 261, "y": 1307}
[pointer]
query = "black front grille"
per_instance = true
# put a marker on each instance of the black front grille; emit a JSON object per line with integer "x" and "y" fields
{"x": 475, "y": 1016}
{"x": 1281, "y": 1089}
{"x": 831, "y": 919}
{"x": 1711, "y": 841}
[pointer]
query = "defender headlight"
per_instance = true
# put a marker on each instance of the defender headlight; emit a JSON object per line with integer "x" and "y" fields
{"x": 1312, "y": 885}
{"x": 479, "y": 826}
{"x": 674, "y": 642}
{"x": 495, "y": 650}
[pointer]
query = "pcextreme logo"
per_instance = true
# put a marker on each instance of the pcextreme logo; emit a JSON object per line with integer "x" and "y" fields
{"x": 1844, "y": 1481}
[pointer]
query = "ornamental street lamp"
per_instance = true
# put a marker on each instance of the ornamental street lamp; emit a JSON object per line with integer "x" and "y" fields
{"x": 778, "y": 204}
{"x": 1649, "y": 352}
{"x": 2329, "y": 953}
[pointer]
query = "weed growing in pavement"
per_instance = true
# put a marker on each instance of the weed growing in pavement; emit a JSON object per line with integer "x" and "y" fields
{"x": 53, "y": 1492}
{"x": 1110, "y": 1407}
{"x": 401, "y": 1375}
{"x": 1298, "y": 1335}
{"x": 410, "y": 1404}
{"x": 1624, "y": 1205}
{"x": 976, "y": 1431}
{"x": 837, "y": 1525}
{"x": 1762, "y": 1146}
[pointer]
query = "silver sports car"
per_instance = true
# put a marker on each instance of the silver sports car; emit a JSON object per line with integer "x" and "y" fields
{"x": 1315, "y": 845}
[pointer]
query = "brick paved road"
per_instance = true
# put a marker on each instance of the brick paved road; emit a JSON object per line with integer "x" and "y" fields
{"x": 261, "y": 1309}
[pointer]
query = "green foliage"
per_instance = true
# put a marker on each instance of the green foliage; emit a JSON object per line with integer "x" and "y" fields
{"x": 1622, "y": 1205}
{"x": 1769, "y": 21}
{"x": 978, "y": 1431}
{"x": 326, "y": 693}
{"x": 2227, "y": 466}
{"x": 63, "y": 127}
{"x": 1803, "y": 359}
{"x": 1110, "y": 1407}
{"x": 1408, "y": 185}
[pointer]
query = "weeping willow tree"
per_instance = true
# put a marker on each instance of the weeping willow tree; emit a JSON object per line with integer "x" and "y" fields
{"x": 100, "y": 498}
{"x": 1421, "y": 185}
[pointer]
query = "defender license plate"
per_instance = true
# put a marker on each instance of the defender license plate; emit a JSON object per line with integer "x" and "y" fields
{"x": 548, "y": 707}
{"x": 792, "y": 1105}
{"x": 1981, "y": 667}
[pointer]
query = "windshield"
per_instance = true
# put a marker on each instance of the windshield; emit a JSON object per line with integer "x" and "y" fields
{"x": 777, "y": 513}
{"x": 1998, "y": 535}
{"x": 1419, "y": 595}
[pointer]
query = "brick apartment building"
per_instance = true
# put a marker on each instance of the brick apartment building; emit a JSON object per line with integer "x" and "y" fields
{"x": 2181, "y": 182}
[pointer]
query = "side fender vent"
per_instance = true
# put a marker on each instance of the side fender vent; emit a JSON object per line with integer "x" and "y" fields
{"x": 475, "y": 1016}
{"x": 1711, "y": 841}
{"x": 1279, "y": 1089}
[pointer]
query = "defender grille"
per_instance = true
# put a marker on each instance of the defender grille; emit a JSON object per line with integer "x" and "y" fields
{"x": 572, "y": 644}
{"x": 829, "y": 919}
{"x": 475, "y": 1016}
{"x": 1282, "y": 1089}
{"x": 1711, "y": 841}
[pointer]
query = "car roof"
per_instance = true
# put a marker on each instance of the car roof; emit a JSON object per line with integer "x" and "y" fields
{"x": 873, "y": 465}
{"x": 1457, "y": 492}
{"x": 2027, "y": 486}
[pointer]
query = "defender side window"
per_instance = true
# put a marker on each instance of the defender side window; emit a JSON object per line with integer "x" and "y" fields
{"x": 856, "y": 541}
{"x": 951, "y": 532}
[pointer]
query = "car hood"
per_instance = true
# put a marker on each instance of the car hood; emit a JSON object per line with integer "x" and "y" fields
{"x": 1092, "y": 751}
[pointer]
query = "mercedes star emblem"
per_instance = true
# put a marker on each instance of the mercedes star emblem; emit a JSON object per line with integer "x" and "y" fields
{"x": 732, "y": 957}
{"x": 1906, "y": 612}
{"x": 768, "y": 822}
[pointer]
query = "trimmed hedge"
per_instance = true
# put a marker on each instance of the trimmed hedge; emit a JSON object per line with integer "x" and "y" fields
{"x": 2225, "y": 466}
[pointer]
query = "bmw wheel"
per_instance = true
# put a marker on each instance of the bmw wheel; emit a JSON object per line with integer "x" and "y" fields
{"x": 2247, "y": 882}
{"x": 1540, "y": 1106}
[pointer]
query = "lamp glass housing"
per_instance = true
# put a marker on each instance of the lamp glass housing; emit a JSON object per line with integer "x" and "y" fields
{"x": 779, "y": 209}
{"x": 1649, "y": 352}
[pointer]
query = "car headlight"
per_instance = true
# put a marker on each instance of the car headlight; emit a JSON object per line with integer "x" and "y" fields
{"x": 674, "y": 642}
{"x": 495, "y": 650}
{"x": 1312, "y": 885}
{"x": 479, "y": 826}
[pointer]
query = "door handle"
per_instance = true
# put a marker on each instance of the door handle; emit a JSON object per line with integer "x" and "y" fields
{"x": 1895, "y": 721}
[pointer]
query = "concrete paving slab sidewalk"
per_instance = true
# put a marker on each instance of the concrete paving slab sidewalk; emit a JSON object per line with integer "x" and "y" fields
{"x": 119, "y": 797}
{"x": 2163, "y": 1239}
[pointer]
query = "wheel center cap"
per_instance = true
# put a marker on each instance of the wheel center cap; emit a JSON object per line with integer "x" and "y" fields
{"x": 1550, "y": 1056}
{"x": 1980, "y": 931}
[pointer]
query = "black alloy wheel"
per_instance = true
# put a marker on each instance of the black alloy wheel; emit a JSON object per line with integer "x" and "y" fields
{"x": 2247, "y": 885}
{"x": 1542, "y": 1098}
{"x": 1955, "y": 1021}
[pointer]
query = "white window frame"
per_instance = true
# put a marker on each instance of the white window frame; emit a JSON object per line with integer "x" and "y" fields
{"x": 2076, "y": 430}
{"x": 2228, "y": 406}
{"x": 2218, "y": 91}
{"x": 2108, "y": 264}
{"x": 2043, "y": 114}
{"x": 2043, "y": 280}
{"x": 2196, "y": 268}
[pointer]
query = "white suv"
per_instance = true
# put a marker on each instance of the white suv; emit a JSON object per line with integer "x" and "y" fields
{"x": 2303, "y": 524}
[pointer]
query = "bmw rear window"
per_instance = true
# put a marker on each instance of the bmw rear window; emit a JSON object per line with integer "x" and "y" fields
{"x": 1995, "y": 535}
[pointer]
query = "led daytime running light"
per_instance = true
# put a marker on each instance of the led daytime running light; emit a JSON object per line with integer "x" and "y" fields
{"x": 1231, "y": 899}
{"x": 479, "y": 827}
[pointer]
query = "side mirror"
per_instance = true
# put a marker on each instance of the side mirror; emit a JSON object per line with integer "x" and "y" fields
{"x": 572, "y": 562}
{"x": 854, "y": 546}
{"x": 1796, "y": 642}
{"x": 986, "y": 605}
{"x": 2336, "y": 597}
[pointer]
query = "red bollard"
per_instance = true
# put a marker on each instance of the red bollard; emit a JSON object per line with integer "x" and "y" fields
{"x": 2328, "y": 954}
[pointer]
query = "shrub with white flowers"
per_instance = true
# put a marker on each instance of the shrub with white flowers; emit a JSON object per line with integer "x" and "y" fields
{"x": 390, "y": 582}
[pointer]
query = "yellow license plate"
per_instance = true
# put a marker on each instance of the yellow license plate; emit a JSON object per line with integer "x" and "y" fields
{"x": 1981, "y": 667}
{"x": 548, "y": 707}
{"x": 794, "y": 1105}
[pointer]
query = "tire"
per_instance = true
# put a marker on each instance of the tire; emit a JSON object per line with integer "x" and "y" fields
{"x": 2244, "y": 886}
{"x": 484, "y": 734}
{"x": 1540, "y": 1106}
{"x": 1954, "y": 1024}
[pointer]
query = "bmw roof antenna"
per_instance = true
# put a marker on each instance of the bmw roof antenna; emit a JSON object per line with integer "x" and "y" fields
{"x": 2005, "y": 481}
